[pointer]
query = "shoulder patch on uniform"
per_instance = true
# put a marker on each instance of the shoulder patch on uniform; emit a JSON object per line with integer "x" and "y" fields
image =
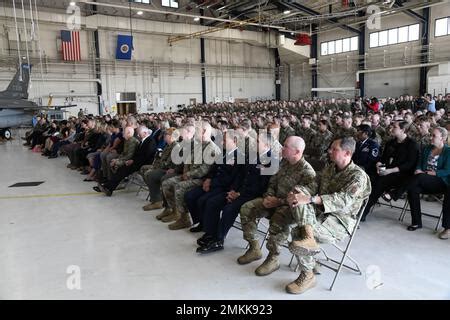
{"x": 375, "y": 152}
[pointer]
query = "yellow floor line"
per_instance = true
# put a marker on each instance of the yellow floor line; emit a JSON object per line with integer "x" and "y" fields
{"x": 55, "y": 195}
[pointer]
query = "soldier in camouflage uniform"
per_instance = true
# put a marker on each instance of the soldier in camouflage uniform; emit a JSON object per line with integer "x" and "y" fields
{"x": 317, "y": 149}
{"x": 346, "y": 130}
{"x": 182, "y": 152}
{"x": 411, "y": 129}
{"x": 424, "y": 137}
{"x": 294, "y": 171}
{"x": 329, "y": 216}
{"x": 381, "y": 135}
{"x": 306, "y": 132}
{"x": 129, "y": 148}
{"x": 345, "y": 106}
{"x": 161, "y": 169}
{"x": 193, "y": 173}
{"x": 286, "y": 130}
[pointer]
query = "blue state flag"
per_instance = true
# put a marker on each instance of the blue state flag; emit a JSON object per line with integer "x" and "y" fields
{"x": 124, "y": 47}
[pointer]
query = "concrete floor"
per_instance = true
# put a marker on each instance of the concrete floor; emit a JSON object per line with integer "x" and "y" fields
{"x": 125, "y": 253}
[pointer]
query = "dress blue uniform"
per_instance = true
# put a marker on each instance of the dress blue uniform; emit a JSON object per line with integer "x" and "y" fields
{"x": 224, "y": 177}
{"x": 366, "y": 155}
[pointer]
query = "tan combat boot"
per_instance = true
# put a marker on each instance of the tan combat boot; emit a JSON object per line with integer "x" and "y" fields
{"x": 269, "y": 265}
{"x": 306, "y": 246}
{"x": 166, "y": 212}
{"x": 252, "y": 254}
{"x": 444, "y": 235}
{"x": 171, "y": 217}
{"x": 305, "y": 281}
{"x": 184, "y": 221}
{"x": 153, "y": 206}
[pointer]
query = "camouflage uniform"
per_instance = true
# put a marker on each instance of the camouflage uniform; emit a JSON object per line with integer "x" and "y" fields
{"x": 381, "y": 136}
{"x": 129, "y": 148}
{"x": 345, "y": 132}
{"x": 423, "y": 141}
{"x": 307, "y": 134}
{"x": 174, "y": 188}
{"x": 280, "y": 185}
{"x": 285, "y": 133}
{"x": 156, "y": 173}
{"x": 319, "y": 144}
{"x": 412, "y": 132}
{"x": 342, "y": 194}
{"x": 345, "y": 107}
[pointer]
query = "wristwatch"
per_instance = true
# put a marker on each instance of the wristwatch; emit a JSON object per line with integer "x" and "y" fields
{"x": 313, "y": 199}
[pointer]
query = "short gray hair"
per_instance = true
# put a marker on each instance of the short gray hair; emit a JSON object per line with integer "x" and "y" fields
{"x": 297, "y": 143}
{"x": 443, "y": 131}
{"x": 347, "y": 144}
{"x": 144, "y": 129}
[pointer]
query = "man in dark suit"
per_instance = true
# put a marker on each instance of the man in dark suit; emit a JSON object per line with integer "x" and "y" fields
{"x": 221, "y": 178}
{"x": 221, "y": 211}
{"x": 144, "y": 154}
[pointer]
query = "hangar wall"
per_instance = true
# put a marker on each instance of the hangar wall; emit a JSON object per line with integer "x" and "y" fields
{"x": 158, "y": 73}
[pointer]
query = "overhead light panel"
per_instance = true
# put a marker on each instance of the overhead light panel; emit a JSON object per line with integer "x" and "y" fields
{"x": 72, "y": 3}
{"x": 196, "y": 19}
{"x": 287, "y": 11}
{"x": 140, "y": 13}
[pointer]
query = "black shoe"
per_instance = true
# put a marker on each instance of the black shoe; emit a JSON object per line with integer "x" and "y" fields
{"x": 198, "y": 228}
{"x": 53, "y": 156}
{"x": 414, "y": 228}
{"x": 210, "y": 247}
{"x": 204, "y": 240}
{"x": 105, "y": 190}
{"x": 96, "y": 188}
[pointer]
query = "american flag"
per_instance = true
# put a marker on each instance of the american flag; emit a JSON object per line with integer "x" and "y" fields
{"x": 70, "y": 45}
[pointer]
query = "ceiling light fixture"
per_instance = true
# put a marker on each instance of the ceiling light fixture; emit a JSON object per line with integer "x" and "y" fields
{"x": 72, "y": 3}
{"x": 140, "y": 12}
{"x": 196, "y": 19}
{"x": 287, "y": 11}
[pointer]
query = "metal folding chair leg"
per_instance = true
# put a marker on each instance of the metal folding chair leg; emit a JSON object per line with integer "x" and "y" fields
{"x": 404, "y": 209}
{"x": 439, "y": 220}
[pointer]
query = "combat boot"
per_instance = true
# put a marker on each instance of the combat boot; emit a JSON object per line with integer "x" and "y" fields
{"x": 153, "y": 206}
{"x": 306, "y": 246}
{"x": 252, "y": 254}
{"x": 269, "y": 265}
{"x": 172, "y": 217}
{"x": 166, "y": 212}
{"x": 184, "y": 221}
{"x": 305, "y": 281}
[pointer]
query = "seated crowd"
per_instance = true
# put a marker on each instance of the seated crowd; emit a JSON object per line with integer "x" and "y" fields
{"x": 307, "y": 166}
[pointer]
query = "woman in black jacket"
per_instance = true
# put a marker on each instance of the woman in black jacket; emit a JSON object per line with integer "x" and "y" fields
{"x": 397, "y": 164}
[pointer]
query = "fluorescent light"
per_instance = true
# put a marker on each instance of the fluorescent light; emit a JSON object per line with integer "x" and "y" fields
{"x": 72, "y": 3}
{"x": 140, "y": 13}
{"x": 196, "y": 19}
{"x": 287, "y": 11}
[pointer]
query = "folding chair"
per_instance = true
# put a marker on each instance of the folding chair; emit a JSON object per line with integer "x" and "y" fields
{"x": 436, "y": 197}
{"x": 326, "y": 263}
{"x": 265, "y": 233}
{"x": 137, "y": 180}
